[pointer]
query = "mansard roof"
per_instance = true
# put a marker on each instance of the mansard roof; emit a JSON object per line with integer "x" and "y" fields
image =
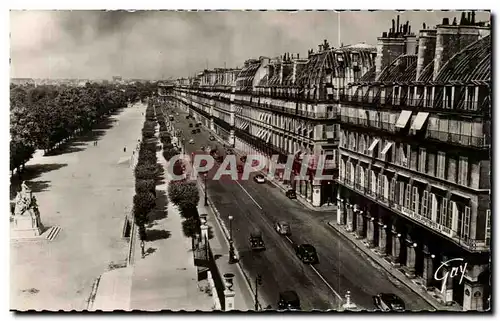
{"x": 471, "y": 64}
{"x": 402, "y": 69}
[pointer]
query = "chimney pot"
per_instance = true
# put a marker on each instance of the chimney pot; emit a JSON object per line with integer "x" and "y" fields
{"x": 393, "y": 26}
{"x": 384, "y": 34}
{"x": 446, "y": 21}
{"x": 423, "y": 26}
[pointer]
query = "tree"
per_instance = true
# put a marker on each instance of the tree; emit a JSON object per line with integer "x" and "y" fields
{"x": 185, "y": 195}
{"x": 169, "y": 153}
{"x": 146, "y": 171}
{"x": 145, "y": 185}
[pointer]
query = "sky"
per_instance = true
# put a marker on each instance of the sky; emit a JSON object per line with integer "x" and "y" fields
{"x": 164, "y": 44}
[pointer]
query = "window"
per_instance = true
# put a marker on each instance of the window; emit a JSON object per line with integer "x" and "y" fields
{"x": 401, "y": 193}
{"x": 463, "y": 166}
{"x": 408, "y": 196}
{"x": 348, "y": 172}
{"x": 441, "y": 164}
{"x": 425, "y": 200}
{"x": 362, "y": 144}
{"x": 381, "y": 190}
{"x": 422, "y": 159}
{"x": 487, "y": 230}
{"x": 415, "y": 200}
{"x": 447, "y": 97}
{"x": 405, "y": 154}
{"x": 444, "y": 212}
{"x": 392, "y": 190}
{"x": 342, "y": 169}
{"x": 466, "y": 223}
{"x": 352, "y": 177}
{"x": 452, "y": 209}
{"x": 374, "y": 182}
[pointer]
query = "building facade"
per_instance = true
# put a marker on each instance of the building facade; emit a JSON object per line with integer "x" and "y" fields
{"x": 415, "y": 157}
{"x": 281, "y": 106}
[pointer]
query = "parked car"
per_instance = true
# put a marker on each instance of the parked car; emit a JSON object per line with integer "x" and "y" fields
{"x": 291, "y": 194}
{"x": 307, "y": 253}
{"x": 198, "y": 130}
{"x": 197, "y": 125}
{"x": 211, "y": 138}
{"x": 388, "y": 302}
{"x": 193, "y": 131}
{"x": 288, "y": 300}
{"x": 283, "y": 228}
{"x": 259, "y": 179}
{"x": 187, "y": 117}
{"x": 191, "y": 141}
{"x": 190, "y": 125}
{"x": 256, "y": 241}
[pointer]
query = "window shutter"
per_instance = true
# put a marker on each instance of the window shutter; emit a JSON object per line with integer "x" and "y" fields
{"x": 466, "y": 223}
{"x": 425, "y": 199}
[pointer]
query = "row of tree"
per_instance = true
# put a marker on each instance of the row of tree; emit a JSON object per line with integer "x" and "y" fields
{"x": 182, "y": 193}
{"x": 42, "y": 117}
{"x": 147, "y": 172}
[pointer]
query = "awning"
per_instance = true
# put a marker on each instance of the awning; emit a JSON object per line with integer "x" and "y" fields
{"x": 419, "y": 121}
{"x": 455, "y": 195}
{"x": 403, "y": 119}
{"x": 442, "y": 189}
{"x": 387, "y": 148}
{"x": 268, "y": 137}
{"x": 403, "y": 175}
{"x": 329, "y": 135}
{"x": 421, "y": 181}
{"x": 245, "y": 126}
{"x": 372, "y": 146}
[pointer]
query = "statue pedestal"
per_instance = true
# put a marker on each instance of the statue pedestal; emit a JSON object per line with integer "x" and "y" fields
{"x": 26, "y": 226}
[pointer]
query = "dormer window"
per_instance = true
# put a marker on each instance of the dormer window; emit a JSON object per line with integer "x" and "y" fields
{"x": 396, "y": 97}
{"x": 448, "y": 97}
{"x": 471, "y": 98}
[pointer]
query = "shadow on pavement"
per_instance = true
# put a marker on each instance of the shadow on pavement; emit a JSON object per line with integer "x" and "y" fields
{"x": 154, "y": 235}
{"x": 160, "y": 211}
{"x": 30, "y": 173}
{"x": 149, "y": 251}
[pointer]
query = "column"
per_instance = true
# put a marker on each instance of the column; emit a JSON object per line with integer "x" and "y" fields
{"x": 231, "y": 137}
{"x": 316, "y": 199}
{"x": 428, "y": 271}
{"x": 340, "y": 209}
{"x": 473, "y": 296}
{"x": 410, "y": 258}
{"x": 396, "y": 248}
{"x": 370, "y": 231}
{"x": 350, "y": 218}
{"x": 382, "y": 238}
{"x": 446, "y": 282}
{"x": 359, "y": 225}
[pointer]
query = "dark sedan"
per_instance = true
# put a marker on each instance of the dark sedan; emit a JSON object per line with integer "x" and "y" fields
{"x": 388, "y": 302}
{"x": 307, "y": 253}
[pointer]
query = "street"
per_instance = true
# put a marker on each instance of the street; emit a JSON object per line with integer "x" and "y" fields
{"x": 341, "y": 266}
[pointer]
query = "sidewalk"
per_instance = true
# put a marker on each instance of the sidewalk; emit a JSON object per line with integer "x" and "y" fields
{"x": 430, "y": 298}
{"x": 219, "y": 245}
{"x": 166, "y": 279}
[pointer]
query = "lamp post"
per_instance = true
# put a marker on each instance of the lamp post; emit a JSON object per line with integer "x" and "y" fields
{"x": 206, "y": 198}
{"x": 232, "y": 258}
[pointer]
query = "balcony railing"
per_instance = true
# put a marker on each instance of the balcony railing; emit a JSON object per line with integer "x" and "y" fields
{"x": 471, "y": 244}
{"x": 467, "y": 140}
{"x": 430, "y": 104}
{"x": 293, "y": 111}
{"x": 363, "y": 122}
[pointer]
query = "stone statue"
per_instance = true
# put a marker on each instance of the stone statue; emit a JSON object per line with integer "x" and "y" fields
{"x": 24, "y": 200}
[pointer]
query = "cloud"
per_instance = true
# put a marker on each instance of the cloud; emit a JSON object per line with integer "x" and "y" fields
{"x": 157, "y": 44}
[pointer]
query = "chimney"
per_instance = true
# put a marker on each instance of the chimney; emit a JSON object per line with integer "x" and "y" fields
{"x": 388, "y": 49}
{"x": 452, "y": 39}
{"x": 398, "y": 31}
{"x": 393, "y": 29}
{"x": 446, "y": 21}
{"x": 426, "y": 49}
{"x": 298, "y": 56}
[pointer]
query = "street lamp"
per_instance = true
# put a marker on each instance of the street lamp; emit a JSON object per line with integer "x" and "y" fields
{"x": 206, "y": 198}
{"x": 232, "y": 258}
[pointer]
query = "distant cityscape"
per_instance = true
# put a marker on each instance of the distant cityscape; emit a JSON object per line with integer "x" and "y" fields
{"x": 75, "y": 82}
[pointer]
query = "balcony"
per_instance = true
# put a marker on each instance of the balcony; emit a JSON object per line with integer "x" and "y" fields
{"x": 293, "y": 112}
{"x": 470, "y": 244}
{"x": 363, "y": 122}
{"x": 410, "y": 103}
{"x": 459, "y": 139}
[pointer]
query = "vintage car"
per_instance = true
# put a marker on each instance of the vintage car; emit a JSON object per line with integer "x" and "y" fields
{"x": 289, "y": 300}
{"x": 388, "y": 302}
{"x": 307, "y": 253}
{"x": 212, "y": 138}
{"x": 283, "y": 228}
{"x": 291, "y": 194}
{"x": 190, "y": 125}
{"x": 260, "y": 179}
{"x": 256, "y": 241}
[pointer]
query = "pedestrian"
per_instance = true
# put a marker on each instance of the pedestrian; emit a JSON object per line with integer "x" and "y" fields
{"x": 124, "y": 149}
